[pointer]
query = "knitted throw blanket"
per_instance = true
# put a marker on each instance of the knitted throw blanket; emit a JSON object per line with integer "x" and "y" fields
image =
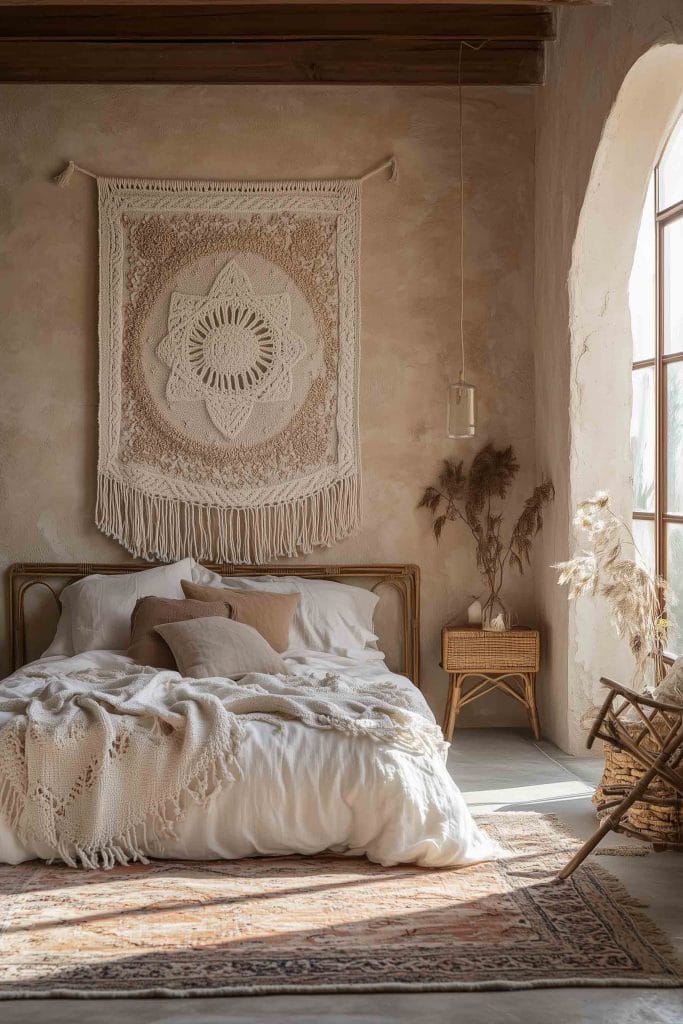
{"x": 97, "y": 765}
{"x": 228, "y": 421}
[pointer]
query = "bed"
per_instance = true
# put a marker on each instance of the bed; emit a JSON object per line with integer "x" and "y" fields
{"x": 298, "y": 788}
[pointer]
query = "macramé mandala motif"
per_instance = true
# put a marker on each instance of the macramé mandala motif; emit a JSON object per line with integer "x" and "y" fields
{"x": 230, "y": 349}
{"x": 229, "y": 360}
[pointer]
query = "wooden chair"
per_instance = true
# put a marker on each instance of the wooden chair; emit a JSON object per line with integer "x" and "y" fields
{"x": 655, "y": 744}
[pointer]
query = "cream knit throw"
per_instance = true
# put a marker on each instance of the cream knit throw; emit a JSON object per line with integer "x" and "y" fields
{"x": 228, "y": 367}
{"x": 100, "y": 765}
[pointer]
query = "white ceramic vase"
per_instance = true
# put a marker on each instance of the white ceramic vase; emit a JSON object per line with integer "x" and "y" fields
{"x": 474, "y": 613}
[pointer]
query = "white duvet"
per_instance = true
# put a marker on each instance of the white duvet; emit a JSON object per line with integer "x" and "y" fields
{"x": 304, "y": 790}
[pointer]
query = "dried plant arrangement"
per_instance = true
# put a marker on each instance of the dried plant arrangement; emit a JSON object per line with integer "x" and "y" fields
{"x": 636, "y": 599}
{"x": 474, "y": 498}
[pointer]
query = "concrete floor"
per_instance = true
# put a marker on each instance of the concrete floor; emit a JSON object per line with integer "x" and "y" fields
{"x": 497, "y": 770}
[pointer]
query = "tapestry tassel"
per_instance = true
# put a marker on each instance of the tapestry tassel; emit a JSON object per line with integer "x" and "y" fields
{"x": 391, "y": 162}
{"x": 64, "y": 177}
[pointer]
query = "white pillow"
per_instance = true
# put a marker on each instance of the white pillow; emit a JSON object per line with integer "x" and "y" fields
{"x": 61, "y": 642}
{"x": 331, "y": 617}
{"x": 96, "y": 610}
{"x": 207, "y": 578}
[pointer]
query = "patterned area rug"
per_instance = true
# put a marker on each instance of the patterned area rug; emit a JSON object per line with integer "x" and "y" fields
{"x": 327, "y": 924}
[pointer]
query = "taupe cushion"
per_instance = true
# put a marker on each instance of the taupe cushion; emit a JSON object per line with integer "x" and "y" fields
{"x": 148, "y": 647}
{"x": 216, "y": 646}
{"x": 269, "y": 614}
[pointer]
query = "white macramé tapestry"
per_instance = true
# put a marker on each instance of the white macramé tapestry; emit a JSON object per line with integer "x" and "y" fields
{"x": 229, "y": 355}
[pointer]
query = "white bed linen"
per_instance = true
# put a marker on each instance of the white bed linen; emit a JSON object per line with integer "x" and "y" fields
{"x": 304, "y": 790}
{"x": 329, "y": 616}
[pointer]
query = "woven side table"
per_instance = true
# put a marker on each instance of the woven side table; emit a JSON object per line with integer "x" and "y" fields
{"x": 488, "y": 661}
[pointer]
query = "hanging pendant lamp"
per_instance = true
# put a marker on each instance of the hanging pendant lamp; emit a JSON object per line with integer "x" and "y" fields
{"x": 461, "y": 415}
{"x": 461, "y": 409}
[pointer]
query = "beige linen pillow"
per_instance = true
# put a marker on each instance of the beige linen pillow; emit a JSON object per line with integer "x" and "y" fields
{"x": 148, "y": 647}
{"x": 269, "y": 614}
{"x": 216, "y": 646}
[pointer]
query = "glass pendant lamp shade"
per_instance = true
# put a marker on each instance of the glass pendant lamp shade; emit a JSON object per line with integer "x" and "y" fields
{"x": 461, "y": 410}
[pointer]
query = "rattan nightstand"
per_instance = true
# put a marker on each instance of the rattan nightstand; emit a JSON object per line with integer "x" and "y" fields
{"x": 506, "y": 661}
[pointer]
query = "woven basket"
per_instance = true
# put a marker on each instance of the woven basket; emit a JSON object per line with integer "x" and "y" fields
{"x": 472, "y": 650}
{"x": 659, "y": 818}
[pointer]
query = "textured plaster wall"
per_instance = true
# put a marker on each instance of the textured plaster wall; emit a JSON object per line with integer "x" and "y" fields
{"x": 601, "y": 120}
{"x": 48, "y": 283}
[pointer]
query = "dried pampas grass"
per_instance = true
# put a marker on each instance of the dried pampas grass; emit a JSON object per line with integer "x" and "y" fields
{"x": 637, "y": 600}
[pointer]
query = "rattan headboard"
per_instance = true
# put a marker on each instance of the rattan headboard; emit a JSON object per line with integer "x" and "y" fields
{"x": 403, "y": 579}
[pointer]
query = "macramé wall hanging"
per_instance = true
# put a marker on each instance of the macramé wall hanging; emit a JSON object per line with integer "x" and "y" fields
{"x": 229, "y": 363}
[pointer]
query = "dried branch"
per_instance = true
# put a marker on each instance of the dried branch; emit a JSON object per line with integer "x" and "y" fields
{"x": 452, "y": 480}
{"x": 431, "y": 499}
{"x": 529, "y": 524}
{"x": 438, "y": 526}
{"x": 469, "y": 496}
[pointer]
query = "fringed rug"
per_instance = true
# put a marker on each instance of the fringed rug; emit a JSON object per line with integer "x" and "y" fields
{"x": 327, "y": 924}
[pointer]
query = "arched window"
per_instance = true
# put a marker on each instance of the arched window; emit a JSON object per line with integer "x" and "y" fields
{"x": 656, "y": 304}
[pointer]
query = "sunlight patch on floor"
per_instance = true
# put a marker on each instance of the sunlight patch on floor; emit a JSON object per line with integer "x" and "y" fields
{"x": 493, "y": 799}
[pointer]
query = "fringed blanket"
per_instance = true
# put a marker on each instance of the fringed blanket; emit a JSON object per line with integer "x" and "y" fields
{"x": 97, "y": 765}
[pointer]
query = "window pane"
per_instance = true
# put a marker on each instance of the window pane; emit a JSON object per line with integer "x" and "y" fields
{"x": 671, "y": 170}
{"x": 641, "y": 286}
{"x": 672, "y": 272}
{"x": 643, "y": 439}
{"x": 644, "y": 537}
{"x": 674, "y": 437}
{"x": 675, "y": 577}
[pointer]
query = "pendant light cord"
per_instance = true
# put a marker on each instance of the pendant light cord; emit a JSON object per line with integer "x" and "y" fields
{"x": 470, "y": 46}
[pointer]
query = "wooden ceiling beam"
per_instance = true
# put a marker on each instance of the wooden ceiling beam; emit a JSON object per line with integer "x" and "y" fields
{"x": 394, "y": 61}
{"x": 225, "y": 42}
{"x": 303, "y": 20}
{"x": 292, "y": 3}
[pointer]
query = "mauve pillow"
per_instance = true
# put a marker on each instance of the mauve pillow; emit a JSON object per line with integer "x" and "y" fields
{"x": 147, "y": 647}
{"x": 269, "y": 614}
{"x": 206, "y": 648}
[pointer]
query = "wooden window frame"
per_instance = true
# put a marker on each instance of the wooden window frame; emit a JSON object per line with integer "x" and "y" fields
{"x": 661, "y": 517}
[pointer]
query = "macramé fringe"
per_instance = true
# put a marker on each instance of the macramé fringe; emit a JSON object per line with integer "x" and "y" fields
{"x": 168, "y": 529}
{"x": 134, "y": 841}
